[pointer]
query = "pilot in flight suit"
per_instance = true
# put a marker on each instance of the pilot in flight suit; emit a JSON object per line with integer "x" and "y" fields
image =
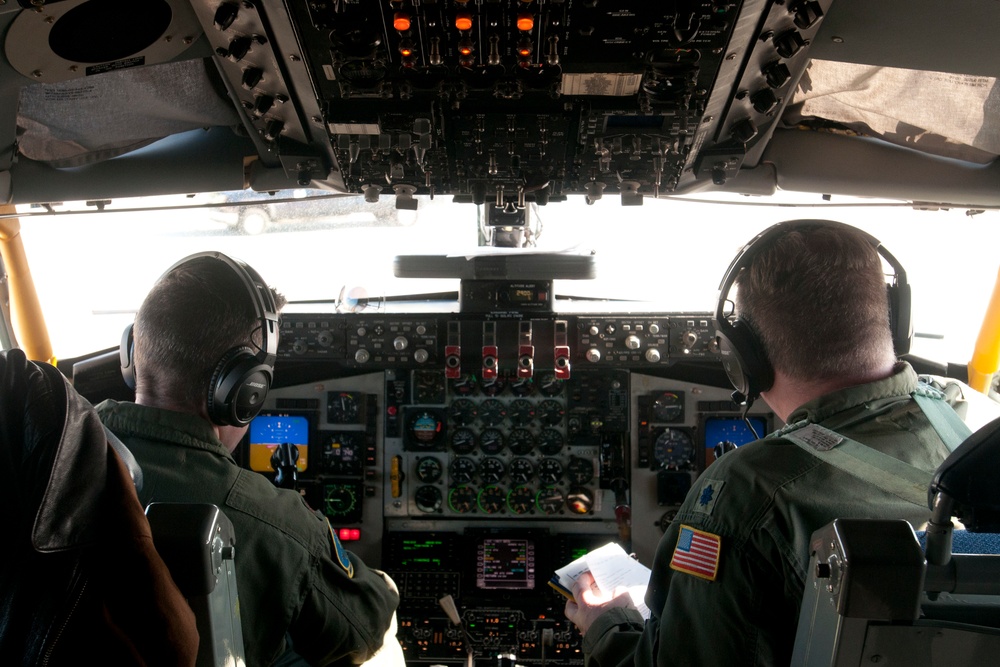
{"x": 761, "y": 502}
{"x": 293, "y": 576}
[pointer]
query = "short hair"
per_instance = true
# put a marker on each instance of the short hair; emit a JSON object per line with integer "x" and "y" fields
{"x": 816, "y": 297}
{"x": 191, "y": 318}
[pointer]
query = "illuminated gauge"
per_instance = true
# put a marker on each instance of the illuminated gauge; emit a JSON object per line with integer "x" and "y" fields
{"x": 579, "y": 501}
{"x": 522, "y": 386}
{"x": 492, "y": 499}
{"x": 520, "y": 471}
{"x": 362, "y": 73}
{"x": 462, "y": 499}
{"x": 549, "y": 500}
{"x": 549, "y": 385}
{"x": 520, "y": 500}
{"x": 463, "y": 441}
{"x": 343, "y": 407}
{"x": 574, "y": 424}
{"x": 549, "y": 471}
{"x": 492, "y": 412}
{"x": 338, "y": 500}
{"x": 465, "y": 385}
{"x": 673, "y": 448}
{"x": 579, "y": 470}
{"x": 551, "y": 412}
{"x": 462, "y": 412}
{"x": 491, "y": 470}
{"x": 428, "y": 499}
{"x": 520, "y": 441}
{"x": 668, "y": 407}
{"x": 550, "y": 442}
{"x": 493, "y": 387}
{"x": 462, "y": 470}
{"x": 521, "y": 412}
{"x": 491, "y": 441}
{"x": 429, "y": 469}
{"x": 424, "y": 429}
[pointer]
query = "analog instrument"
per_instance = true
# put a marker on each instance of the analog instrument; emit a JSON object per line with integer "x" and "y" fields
{"x": 521, "y": 412}
{"x": 673, "y": 448}
{"x": 462, "y": 499}
{"x": 491, "y": 441}
{"x": 549, "y": 385}
{"x": 520, "y": 471}
{"x": 462, "y": 470}
{"x": 520, "y": 500}
{"x": 550, "y": 471}
{"x": 668, "y": 407}
{"x": 550, "y": 442}
{"x": 465, "y": 385}
{"x": 549, "y": 500}
{"x": 492, "y": 412}
{"x": 429, "y": 469}
{"x": 463, "y": 412}
{"x": 428, "y": 499}
{"x": 580, "y": 470}
{"x": 551, "y": 412}
{"x": 491, "y": 470}
{"x": 521, "y": 441}
{"x": 492, "y": 499}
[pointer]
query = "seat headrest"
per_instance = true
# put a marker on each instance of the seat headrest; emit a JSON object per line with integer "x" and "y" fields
{"x": 971, "y": 477}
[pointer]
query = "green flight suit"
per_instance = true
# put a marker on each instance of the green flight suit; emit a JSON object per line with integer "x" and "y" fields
{"x": 763, "y": 501}
{"x": 291, "y": 572}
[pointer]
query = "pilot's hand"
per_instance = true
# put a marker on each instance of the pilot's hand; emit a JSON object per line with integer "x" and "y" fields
{"x": 591, "y": 602}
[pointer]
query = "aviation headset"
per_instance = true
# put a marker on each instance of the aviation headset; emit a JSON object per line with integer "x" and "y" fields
{"x": 743, "y": 355}
{"x": 242, "y": 377}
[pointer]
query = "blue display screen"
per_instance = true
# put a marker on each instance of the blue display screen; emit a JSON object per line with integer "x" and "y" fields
{"x": 732, "y": 429}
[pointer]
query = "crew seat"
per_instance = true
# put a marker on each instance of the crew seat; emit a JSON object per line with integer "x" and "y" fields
{"x": 80, "y": 574}
{"x": 879, "y": 593}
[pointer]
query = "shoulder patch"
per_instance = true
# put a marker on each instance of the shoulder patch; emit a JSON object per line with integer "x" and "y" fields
{"x": 708, "y": 495}
{"x": 697, "y": 553}
{"x": 340, "y": 554}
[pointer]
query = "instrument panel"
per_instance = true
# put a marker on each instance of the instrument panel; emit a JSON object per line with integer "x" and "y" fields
{"x": 472, "y": 454}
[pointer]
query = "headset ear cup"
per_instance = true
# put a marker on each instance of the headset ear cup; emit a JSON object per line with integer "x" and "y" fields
{"x": 238, "y": 387}
{"x": 126, "y": 357}
{"x": 900, "y": 318}
{"x": 744, "y": 359}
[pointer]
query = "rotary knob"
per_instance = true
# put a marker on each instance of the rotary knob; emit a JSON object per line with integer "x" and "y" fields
{"x": 421, "y": 356}
{"x": 654, "y": 328}
{"x": 399, "y": 343}
{"x": 325, "y": 338}
{"x": 593, "y": 355}
{"x": 362, "y": 356}
{"x": 300, "y": 346}
{"x": 633, "y": 342}
{"x": 652, "y": 355}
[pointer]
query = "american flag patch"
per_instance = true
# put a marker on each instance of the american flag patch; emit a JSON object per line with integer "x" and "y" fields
{"x": 697, "y": 553}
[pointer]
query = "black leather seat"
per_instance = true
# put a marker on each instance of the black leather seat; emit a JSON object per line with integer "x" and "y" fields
{"x": 79, "y": 575}
{"x": 879, "y": 593}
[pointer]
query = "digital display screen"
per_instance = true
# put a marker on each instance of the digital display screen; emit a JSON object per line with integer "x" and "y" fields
{"x": 269, "y": 431}
{"x": 422, "y": 553}
{"x": 505, "y": 563}
{"x": 734, "y": 430}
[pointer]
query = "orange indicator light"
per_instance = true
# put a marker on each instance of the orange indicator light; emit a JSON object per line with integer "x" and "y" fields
{"x": 525, "y": 22}
{"x": 463, "y": 22}
{"x": 401, "y": 22}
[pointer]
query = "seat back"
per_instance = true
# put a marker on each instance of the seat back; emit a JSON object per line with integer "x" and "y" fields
{"x": 877, "y": 592}
{"x": 198, "y": 543}
{"x": 78, "y": 571}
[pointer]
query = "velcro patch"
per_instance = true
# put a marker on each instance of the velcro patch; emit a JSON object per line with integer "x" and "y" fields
{"x": 708, "y": 495}
{"x": 697, "y": 553}
{"x": 340, "y": 554}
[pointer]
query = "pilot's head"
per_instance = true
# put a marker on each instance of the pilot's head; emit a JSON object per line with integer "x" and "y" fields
{"x": 199, "y": 340}
{"x": 811, "y": 304}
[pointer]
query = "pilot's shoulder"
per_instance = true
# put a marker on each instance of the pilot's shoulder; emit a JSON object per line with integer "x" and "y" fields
{"x": 283, "y": 510}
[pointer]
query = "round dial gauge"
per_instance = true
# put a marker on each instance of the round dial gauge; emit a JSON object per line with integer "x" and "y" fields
{"x": 462, "y": 412}
{"x": 551, "y": 412}
{"x": 520, "y": 441}
{"x": 521, "y": 412}
{"x": 424, "y": 429}
{"x": 492, "y": 499}
{"x": 668, "y": 407}
{"x": 491, "y": 441}
{"x": 522, "y": 386}
{"x": 428, "y": 499}
{"x": 549, "y": 385}
{"x": 549, "y": 500}
{"x": 549, "y": 471}
{"x": 342, "y": 407}
{"x": 520, "y": 471}
{"x": 550, "y": 442}
{"x": 493, "y": 387}
{"x": 462, "y": 470}
{"x": 429, "y": 469}
{"x": 492, "y": 412}
{"x": 673, "y": 448}
{"x": 579, "y": 501}
{"x": 464, "y": 385}
{"x": 520, "y": 500}
{"x": 462, "y": 499}
{"x": 491, "y": 470}
{"x": 463, "y": 441}
{"x": 339, "y": 500}
{"x": 580, "y": 470}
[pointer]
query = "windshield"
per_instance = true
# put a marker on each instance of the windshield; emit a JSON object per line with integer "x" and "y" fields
{"x": 668, "y": 254}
